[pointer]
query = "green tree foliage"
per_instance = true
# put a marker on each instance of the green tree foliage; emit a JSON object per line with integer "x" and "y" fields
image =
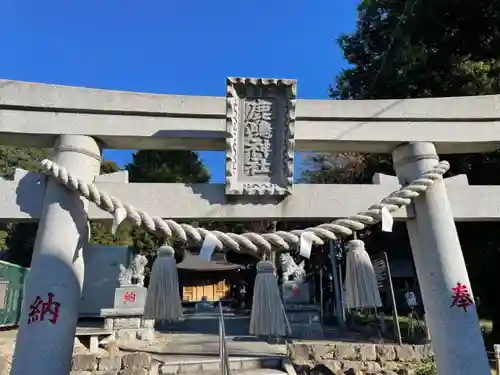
{"x": 147, "y": 166}
{"x": 3, "y": 236}
{"x": 11, "y": 235}
{"x": 19, "y": 242}
{"x": 18, "y": 238}
{"x": 100, "y": 233}
{"x": 109, "y": 166}
{"x": 421, "y": 48}
{"x": 345, "y": 168}
{"x": 23, "y": 158}
{"x": 166, "y": 167}
{"x": 427, "y": 48}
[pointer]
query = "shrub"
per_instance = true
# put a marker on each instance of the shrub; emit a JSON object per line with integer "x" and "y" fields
{"x": 426, "y": 368}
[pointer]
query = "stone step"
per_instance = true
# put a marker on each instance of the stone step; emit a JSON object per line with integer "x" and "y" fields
{"x": 212, "y": 364}
{"x": 307, "y": 331}
{"x": 260, "y": 371}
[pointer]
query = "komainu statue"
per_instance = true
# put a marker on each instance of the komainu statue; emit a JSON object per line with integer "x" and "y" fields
{"x": 133, "y": 273}
{"x": 290, "y": 269}
{"x": 125, "y": 276}
{"x": 138, "y": 265}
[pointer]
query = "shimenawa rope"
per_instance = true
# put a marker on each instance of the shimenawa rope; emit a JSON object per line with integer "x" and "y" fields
{"x": 250, "y": 241}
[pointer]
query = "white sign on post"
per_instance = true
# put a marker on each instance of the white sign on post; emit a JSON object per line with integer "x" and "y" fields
{"x": 386, "y": 219}
{"x": 411, "y": 299}
{"x": 208, "y": 247}
{"x": 305, "y": 245}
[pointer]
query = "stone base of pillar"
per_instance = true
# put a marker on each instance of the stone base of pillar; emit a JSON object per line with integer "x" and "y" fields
{"x": 305, "y": 321}
{"x": 128, "y": 326}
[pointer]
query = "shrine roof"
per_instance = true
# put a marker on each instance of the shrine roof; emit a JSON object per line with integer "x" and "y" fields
{"x": 194, "y": 263}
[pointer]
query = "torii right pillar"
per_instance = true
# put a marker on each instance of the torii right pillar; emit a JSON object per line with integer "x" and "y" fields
{"x": 444, "y": 283}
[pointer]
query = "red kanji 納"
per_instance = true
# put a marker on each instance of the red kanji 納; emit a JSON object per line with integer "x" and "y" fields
{"x": 41, "y": 309}
{"x": 129, "y": 297}
{"x": 461, "y": 297}
{"x": 295, "y": 291}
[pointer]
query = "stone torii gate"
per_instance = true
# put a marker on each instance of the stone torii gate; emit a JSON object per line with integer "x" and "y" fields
{"x": 260, "y": 124}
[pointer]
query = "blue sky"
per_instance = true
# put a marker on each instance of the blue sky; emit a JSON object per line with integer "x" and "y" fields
{"x": 184, "y": 47}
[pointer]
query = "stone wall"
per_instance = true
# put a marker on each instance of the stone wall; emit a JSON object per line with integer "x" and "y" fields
{"x": 343, "y": 358}
{"x": 130, "y": 328}
{"x": 101, "y": 276}
{"x": 128, "y": 364}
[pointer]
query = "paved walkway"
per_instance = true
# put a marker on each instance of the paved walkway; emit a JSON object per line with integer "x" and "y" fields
{"x": 238, "y": 326}
{"x": 198, "y": 336}
{"x": 7, "y": 335}
{"x": 181, "y": 347}
{"x": 208, "y": 323}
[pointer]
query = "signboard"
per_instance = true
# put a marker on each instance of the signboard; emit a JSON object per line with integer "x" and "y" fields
{"x": 260, "y": 121}
{"x": 411, "y": 299}
{"x": 380, "y": 268}
{"x": 295, "y": 292}
{"x": 383, "y": 274}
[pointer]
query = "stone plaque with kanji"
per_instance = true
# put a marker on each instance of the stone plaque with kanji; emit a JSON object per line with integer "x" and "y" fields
{"x": 260, "y": 147}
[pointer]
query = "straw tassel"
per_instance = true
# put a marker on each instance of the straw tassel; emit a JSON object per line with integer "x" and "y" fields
{"x": 163, "y": 301}
{"x": 268, "y": 317}
{"x": 361, "y": 282}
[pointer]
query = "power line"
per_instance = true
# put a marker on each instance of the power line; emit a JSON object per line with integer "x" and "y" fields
{"x": 389, "y": 47}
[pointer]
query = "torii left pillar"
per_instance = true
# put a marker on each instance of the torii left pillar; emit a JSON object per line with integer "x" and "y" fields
{"x": 49, "y": 314}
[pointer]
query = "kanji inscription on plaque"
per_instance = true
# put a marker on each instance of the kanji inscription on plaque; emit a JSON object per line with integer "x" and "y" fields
{"x": 257, "y": 138}
{"x": 260, "y": 123}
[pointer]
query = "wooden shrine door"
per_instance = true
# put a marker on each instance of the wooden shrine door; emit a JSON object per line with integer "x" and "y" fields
{"x": 213, "y": 292}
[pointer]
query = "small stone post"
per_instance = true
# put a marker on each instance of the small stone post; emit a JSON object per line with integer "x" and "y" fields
{"x": 51, "y": 303}
{"x": 496, "y": 349}
{"x": 337, "y": 287}
{"x": 456, "y": 335}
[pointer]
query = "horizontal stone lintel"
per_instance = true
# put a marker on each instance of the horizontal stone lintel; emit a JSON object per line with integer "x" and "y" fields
{"x": 21, "y": 200}
{"x": 33, "y": 114}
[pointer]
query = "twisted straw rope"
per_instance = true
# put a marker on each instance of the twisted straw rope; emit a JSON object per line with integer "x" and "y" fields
{"x": 255, "y": 242}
